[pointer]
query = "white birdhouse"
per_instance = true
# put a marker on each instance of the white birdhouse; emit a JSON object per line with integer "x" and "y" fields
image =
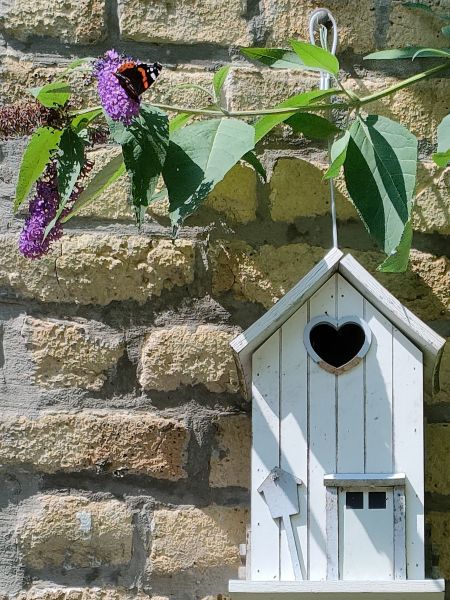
{"x": 336, "y": 371}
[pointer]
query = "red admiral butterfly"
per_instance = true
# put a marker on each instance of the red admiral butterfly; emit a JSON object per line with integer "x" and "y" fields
{"x": 136, "y": 78}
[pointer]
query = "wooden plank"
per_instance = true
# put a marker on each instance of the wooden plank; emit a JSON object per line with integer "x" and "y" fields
{"x": 245, "y": 344}
{"x": 357, "y": 480}
{"x": 265, "y": 456}
{"x": 322, "y": 438}
{"x": 294, "y": 433}
{"x": 374, "y": 589}
{"x": 399, "y": 533}
{"x": 350, "y": 392}
{"x": 378, "y": 410}
{"x": 332, "y": 534}
{"x": 408, "y": 444}
{"x": 423, "y": 336}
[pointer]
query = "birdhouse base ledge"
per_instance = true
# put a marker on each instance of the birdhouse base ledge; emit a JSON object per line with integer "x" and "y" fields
{"x": 426, "y": 589}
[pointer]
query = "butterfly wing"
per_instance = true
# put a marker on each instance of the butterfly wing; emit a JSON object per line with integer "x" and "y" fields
{"x": 136, "y": 78}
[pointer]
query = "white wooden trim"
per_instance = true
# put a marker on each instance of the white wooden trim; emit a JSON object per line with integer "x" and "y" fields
{"x": 343, "y": 587}
{"x": 294, "y": 434}
{"x": 408, "y": 445}
{"x": 247, "y": 342}
{"x": 332, "y": 534}
{"x": 399, "y": 533}
{"x": 265, "y": 531}
{"x": 322, "y": 438}
{"x": 411, "y": 326}
{"x": 366, "y": 480}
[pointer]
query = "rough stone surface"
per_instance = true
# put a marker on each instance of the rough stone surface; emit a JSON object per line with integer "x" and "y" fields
{"x": 182, "y": 356}
{"x": 235, "y": 196}
{"x": 440, "y": 532}
{"x": 416, "y": 27}
{"x": 444, "y": 377}
{"x": 191, "y": 22}
{"x": 67, "y": 356}
{"x": 286, "y": 19}
{"x": 82, "y": 21}
{"x": 266, "y": 274}
{"x": 230, "y": 459}
{"x": 432, "y": 203}
{"x": 97, "y": 441}
{"x": 85, "y": 593}
{"x": 97, "y": 269}
{"x": 437, "y": 471}
{"x": 72, "y": 531}
{"x": 201, "y": 538}
{"x": 298, "y": 190}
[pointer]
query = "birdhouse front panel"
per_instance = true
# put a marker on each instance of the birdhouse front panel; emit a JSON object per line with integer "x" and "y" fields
{"x": 337, "y": 404}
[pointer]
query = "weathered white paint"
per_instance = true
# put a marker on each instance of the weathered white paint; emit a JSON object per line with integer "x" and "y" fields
{"x": 372, "y": 589}
{"x": 399, "y": 532}
{"x": 355, "y": 480}
{"x": 322, "y": 437}
{"x": 332, "y": 508}
{"x": 294, "y": 433}
{"x": 359, "y": 429}
{"x": 378, "y": 394}
{"x": 350, "y": 392}
{"x": 265, "y": 456}
{"x": 408, "y": 444}
{"x": 366, "y": 549}
{"x": 423, "y": 336}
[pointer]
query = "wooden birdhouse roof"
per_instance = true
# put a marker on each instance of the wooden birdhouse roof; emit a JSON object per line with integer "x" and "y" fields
{"x": 430, "y": 343}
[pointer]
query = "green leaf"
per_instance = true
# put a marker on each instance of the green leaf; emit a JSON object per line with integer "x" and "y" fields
{"x": 277, "y": 58}
{"x": 219, "y": 79}
{"x": 268, "y": 122}
{"x": 396, "y": 53}
{"x": 41, "y": 146}
{"x": 432, "y": 52}
{"x": 315, "y": 57}
{"x": 144, "y": 147}
{"x": 442, "y": 159}
{"x": 312, "y": 126}
{"x": 179, "y": 121}
{"x": 199, "y": 156}
{"x": 419, "y": 5}
{"x": 397, "y": 262}
{"x": 81, "y": 121}
{"x": 52, "y": 94}
{"x": 442, "y": 156}
{"x": 253, "y": 161}
{"x": 70, "y": 162}
{"x": 338, "y": 153}
{"x": 380, "y": 173}
{"x": 110, "y": 173}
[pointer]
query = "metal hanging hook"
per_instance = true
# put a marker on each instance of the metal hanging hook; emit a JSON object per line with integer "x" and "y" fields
{"x": 322, "y": 20}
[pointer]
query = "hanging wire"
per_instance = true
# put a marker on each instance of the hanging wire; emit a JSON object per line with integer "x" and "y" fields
{"x": 322, "y": 20}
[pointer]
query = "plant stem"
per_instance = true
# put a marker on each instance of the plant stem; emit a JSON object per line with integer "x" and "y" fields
{"x": 353, "y": 103}
{"x": 405, "y": 83}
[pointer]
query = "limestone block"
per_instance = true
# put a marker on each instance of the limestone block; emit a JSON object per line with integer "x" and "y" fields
{"x": 72, "y": 531}
{"x": 100, "y": 441}
{"x": 192, "y": 537}
{"x": 230, "y": 459}
{"x": 181, "y": 356}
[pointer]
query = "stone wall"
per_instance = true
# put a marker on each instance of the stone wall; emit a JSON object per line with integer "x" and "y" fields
{"x": 124, "y": 440}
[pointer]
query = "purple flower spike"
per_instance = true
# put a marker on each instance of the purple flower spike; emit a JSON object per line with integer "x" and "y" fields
{"x": 116, "y": 102}
{"x": 42, "y": 210}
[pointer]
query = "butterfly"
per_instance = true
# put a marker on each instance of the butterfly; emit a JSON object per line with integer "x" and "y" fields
{"x": 135, "y": 78}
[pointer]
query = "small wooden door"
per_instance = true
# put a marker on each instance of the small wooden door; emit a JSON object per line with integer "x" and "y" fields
{"x": 366, "y": 534}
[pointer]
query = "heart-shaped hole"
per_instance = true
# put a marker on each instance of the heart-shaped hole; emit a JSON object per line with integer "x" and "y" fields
{"x": 337, "y": 344}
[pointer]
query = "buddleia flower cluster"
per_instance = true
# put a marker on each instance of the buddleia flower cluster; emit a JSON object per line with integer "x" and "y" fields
{"x": 42, "y": 210}
{"x": 115, "y": 100}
